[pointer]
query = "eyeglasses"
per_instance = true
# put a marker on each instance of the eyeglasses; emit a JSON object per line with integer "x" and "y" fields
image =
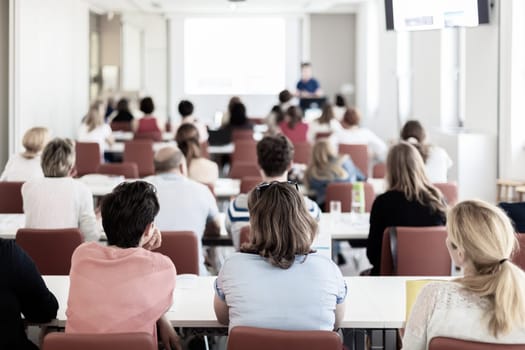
{"x": 263, "y": 186}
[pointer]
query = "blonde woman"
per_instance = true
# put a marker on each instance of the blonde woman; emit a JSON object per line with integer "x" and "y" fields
{"x": 488, "y": 303}
{"x": 411, "y": 199}
{"x": 93, "y": 128}
{"x": 326, "y": 167}
{"x": 26, "y": 165}
{"x": 254, "y": 286}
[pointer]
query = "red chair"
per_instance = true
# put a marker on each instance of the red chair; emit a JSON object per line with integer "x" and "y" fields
{"x": 450, "y": 192}
{"x": 50, "y": 249}
{"x": 106, "y": 341}
{"x": 443, "y": 343}
{"x": 182, "y": 247}
{"x": 342, "y": 191}
{"x": 519, "y": 255}
{"x": 415, "y": 251}
{"x": 87, "y": 158}
{"x": 141, "y": 153}
{"x": 379, "y": 171}
{"x": 249, "y": 182}
{"x": 11, "y": 197}
{"x": 242, "y": 134}
{"x": 322, "y": 135}
{"x": 359, "y": 155}
{"x": 128, "y": 170}
{"x": 250, "y": 338}
{"x": 302, "y": 152}
{"x": 148, "y": 135}
{"x": 121, "y": 126}
{"x": 241, "y": 170}
{"x": 245, "y": 151}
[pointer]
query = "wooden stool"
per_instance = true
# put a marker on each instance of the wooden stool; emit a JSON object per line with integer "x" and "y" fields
{"x": 520, "y": 190}
{"x": 506, "y": 190}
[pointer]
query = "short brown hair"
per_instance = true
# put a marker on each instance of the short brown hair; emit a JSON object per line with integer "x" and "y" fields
{"x": 58, "y": 157}
{"x": 274, "y": 155}
{"x": 34, "y": 141}
{"x": 351, "y": 117}
{"x": 280, "y": 224}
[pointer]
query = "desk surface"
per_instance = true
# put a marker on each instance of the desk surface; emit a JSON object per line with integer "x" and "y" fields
{"x": 372, "y": 302}
{"x": 118, "y": 147}
{"x": 123, "y": 136}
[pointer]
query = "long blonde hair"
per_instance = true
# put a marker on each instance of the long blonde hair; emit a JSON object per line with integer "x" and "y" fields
{"x": 94, "y": 118}
{"x": 486, "y": 235}
{"x": 405, "y": 172}
{"x": 280, "y": 224}
{"x": 325, "y": 163}
{"x": 34, "y": 141}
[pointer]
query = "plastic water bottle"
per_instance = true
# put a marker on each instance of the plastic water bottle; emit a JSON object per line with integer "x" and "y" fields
{"x": 358, "y": 198}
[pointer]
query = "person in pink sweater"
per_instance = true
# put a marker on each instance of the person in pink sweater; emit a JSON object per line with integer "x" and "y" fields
{"x": 124, "y": 287}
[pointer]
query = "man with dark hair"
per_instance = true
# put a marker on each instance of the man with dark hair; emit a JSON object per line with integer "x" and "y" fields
{"x": 186, "y": 112}
{"x": 274, "y": 156}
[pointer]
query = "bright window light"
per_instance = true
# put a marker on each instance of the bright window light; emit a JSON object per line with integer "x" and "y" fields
{"x": 227, "y": 56}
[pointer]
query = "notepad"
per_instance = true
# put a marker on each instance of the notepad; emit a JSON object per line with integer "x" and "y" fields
{"x": 413, "y": 288}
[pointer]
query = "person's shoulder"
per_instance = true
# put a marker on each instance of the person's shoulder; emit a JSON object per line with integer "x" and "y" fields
{"x": 239, "y": 260}
{"x": 239, "y": 206}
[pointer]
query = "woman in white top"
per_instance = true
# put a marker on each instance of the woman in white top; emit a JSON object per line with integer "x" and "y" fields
{"x": 351, "y": 133}
{"x": 277, "y": 281}
{"x": 26, "y": 165}
{"x": 340, "y": 107}
{"x": 57, "y": 200}
{"x": 437, "y": 161}
{"x": 325, "y": 124}
{"x": 200, "y": 169}
{"x": 93, "y": 128}
{"x": 488, "y": 303}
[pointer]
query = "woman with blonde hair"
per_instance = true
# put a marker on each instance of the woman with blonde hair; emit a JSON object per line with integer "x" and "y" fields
{"x": 325, "y": 124}
{"x": 487, "y": 304}
{"x": 253, "y": 286}
{"x": 326, "y": 167}
{"x": 26, "y": 165}
{"x": 410, "y": 200}
{"x": 94, "y": 129}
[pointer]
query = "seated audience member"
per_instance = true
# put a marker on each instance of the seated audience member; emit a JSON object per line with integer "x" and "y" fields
{"x": 437, "y": 161}
{"x": 487, "y": 304}
{"x": 123, "y": 287}
{"x": 327, "y": 167}
{"x": 186, "y": 205}
{"x": 23, "y": 293}
{"x": 186, "y": 112}
{"x": 57, "y": 200}
{"x": 225, "y": 121}
{"x": 26, "y": 166}
{"x": 200, "y": 169}
{"x": 274, "y": 156}
{"x": 410, "y": 199}
{"x": 256, "y": 286}
{"x": 148, "y": 122}
{"x": 238, "y": 117}
{"x": 516, "y": 213}
{"x": 339, "y": 109}
{"x": 123, "y": 112}
{"x": 326, "y": 123}
{"x": 94, "y": 129}
{"x": 293, "y": 126}
{"x": 352, "y": 133}
{"x": 277, "y": 113}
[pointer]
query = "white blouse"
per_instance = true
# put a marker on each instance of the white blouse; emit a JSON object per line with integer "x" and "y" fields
{"x": 19, "y": 168}
{"x": 315, "y": 128}
{"x": 446, "y": 309}
{"x": 99, "y": 135}
{"x": 203, "y": 170}
{"x": 437, "y": 164}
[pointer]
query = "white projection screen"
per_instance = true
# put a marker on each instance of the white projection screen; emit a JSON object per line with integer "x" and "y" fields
{"x": 228, "y": 56}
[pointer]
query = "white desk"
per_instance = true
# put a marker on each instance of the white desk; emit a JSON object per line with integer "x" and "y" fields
{"x": 118, "y": 147}
{"x": 128, "y": 136}
{"x": 227, "y": 188}
{"x": 10, "y": 223}
{"x": 224, "y": 149}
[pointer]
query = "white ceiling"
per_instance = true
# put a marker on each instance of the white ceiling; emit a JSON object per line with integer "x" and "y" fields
{"x": 221, "y": 6}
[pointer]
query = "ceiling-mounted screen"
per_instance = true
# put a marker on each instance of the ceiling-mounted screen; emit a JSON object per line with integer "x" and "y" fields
{"x": 407, "y": 15}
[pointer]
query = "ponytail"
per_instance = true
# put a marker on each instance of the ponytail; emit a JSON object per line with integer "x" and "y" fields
{"x": 191, "y": 149}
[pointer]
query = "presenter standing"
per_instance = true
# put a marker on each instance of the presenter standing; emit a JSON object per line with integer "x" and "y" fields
{"x": 308, "y": 86}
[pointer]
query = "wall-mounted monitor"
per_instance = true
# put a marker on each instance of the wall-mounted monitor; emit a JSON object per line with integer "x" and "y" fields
{"x": 408, "y": 15}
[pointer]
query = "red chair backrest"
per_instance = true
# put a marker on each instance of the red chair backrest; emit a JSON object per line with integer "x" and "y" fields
{"x": 241, "y": 170}
{"x": 379, "y": 171}
{"x": 443, "y": 343}
{"x": 11, "y": 201}
{"x": 519, "y": 255}
{"x": 245, "y": 235}
{"x": 450, "y": 192}
{"x": 50, "y": 249}
{"x": 99, "y": 341}
{"x": 242, "y": 134}
{"x": 302, "y": 152}
{"x": 322, "y": 135}
{"x": 359, "y": 155}
{"x": 87, "y": 158}
{"x": 120, "y": 126}
{"x": 342, "y": 191}
{"x": 245, "y": 151}
{"x": 148, "y": 135}
{"x": 182, "y": 247}
{"x": 249, "y": 182}
{"x": 415, "y": 251}
{"x": 244, "y": 338}
{"x": 141, "y": 153}
{"x": 129, "y": 170}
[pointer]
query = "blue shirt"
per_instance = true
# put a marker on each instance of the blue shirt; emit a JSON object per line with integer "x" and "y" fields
{"x": 310, "y": 86}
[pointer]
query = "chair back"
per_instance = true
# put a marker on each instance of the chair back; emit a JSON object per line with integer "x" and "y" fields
{"x": 242, "y": 134}
{"x": 415, "y": 251}
{"x": 11, "y": 197}
{"x": 245, "y": 151}
{"x": 148, "y": 135}
{"x": 50, "y": 249}
{"x": 120, "y": 126}
{"x": 322, "y": 135}
{"x": 240, "y": 170}
{"x": 107, "y": 341}
{"x": 450, "y": 192}
{"x": 129, "y": 170}
{"x": 379, "y": 171}
{"x": 249, "y": 182}
{"x": 359, "y": 155}
{"x": 519, "y": 256}
{"x": 342, "y": 191}
{"x": 182, "y": 247}
{"x": 250, "y": 338}
{"x": 443, "y": 343}
{"x": 302, "y": 152}
{"x": 87, "y": 158}
{"x": 141, "y": 153}
{"x": 245, "y": 235}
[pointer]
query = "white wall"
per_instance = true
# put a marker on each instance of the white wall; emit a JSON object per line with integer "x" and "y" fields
{"x": 4, "y": 80}
{"x": 51, "y": 53}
